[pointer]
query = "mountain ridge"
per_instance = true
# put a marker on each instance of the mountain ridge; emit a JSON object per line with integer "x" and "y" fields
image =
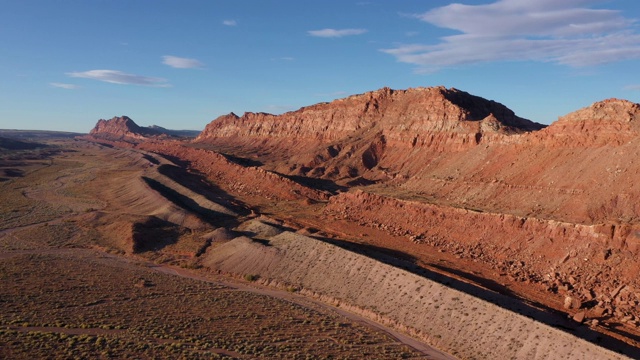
{"x": 348, "y": 137}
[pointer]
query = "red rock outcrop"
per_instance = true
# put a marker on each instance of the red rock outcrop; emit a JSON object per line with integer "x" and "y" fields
{"x": 122, "y": 128}
{"x": 608, "y": 122}
{"x": 448, "y": 147}
{"x": 348, "y": 137}
{"x": 581, "y": 169}
{"x": 395, "y": 111}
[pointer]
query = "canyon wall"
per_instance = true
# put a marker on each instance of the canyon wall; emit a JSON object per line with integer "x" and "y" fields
{"x": 419, "y": 110}
{"x": 450, "y": 147}
{"x": 334, "y": 140}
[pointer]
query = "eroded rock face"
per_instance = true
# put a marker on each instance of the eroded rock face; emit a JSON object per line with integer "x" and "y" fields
{"x": 395, "y": 111}
{"x": 608, "y": 122}
{"x": 347, "y": 137}
{"x": 122, "y": 128}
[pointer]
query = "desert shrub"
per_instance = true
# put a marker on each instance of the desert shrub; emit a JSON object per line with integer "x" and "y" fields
{"x": 251, "y": 277}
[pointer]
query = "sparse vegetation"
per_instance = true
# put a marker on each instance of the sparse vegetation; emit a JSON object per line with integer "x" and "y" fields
{"x": 61, "y": 299}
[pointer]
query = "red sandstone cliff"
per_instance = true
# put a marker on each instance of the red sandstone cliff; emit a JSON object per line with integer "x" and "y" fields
{"x": 608, "y": 122}
{"x": 448, "y": 147}
{"x": 556, "y": 207}
{"x": 582, "y": 169}
{"x": 395, "y": 111}
{"x": 348, "y": 137}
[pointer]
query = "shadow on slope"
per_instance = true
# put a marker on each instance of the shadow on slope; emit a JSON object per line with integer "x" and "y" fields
{"x": 201, "y": 186}
{"x": 246, "y": 162}
{"x": 209, "y": 216}
{"x": 153, "y": 235}
{"x": 316, "y": 183}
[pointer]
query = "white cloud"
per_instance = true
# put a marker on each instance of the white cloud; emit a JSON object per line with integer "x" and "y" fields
{"x": 565, "y": 32}
{"x": 64, "y": 86}
{"x": 632, "y": 87}
{"x": 119, "y": 77}
{"x": 230, "y": 23}
{"x": 181, "y": 63}
{"x": 333, "y": 33}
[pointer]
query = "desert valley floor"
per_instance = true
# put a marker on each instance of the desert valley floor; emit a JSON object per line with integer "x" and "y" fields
{"x": 68, "y": 291}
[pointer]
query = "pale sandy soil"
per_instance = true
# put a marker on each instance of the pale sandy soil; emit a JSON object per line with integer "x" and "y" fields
{"x": 311, "y": 302}
{"x": 449, "y": 319}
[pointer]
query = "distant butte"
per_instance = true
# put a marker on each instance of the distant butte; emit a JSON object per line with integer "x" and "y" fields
{"x": 123, "y": 128}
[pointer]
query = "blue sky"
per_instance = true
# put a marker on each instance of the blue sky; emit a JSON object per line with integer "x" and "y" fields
{"x": 179, "y": 64}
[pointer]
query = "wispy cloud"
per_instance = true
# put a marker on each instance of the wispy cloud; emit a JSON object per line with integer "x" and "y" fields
{"x": 64, "y": 86}
{"x": 119, "y": 77}
{"x": 336, "y": 33}
{"x": 564, "y": 32}
{"x": 230, "y": 23}
{"x": 632, "y": 87}
{"x": 181, "y": 63}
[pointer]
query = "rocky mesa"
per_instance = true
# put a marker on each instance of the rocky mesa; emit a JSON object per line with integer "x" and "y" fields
{"x": 348, "y": 137}
{"x": 123, "y": 128}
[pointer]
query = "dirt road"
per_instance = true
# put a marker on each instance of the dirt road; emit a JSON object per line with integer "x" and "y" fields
{"x": 430, "y": 352}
